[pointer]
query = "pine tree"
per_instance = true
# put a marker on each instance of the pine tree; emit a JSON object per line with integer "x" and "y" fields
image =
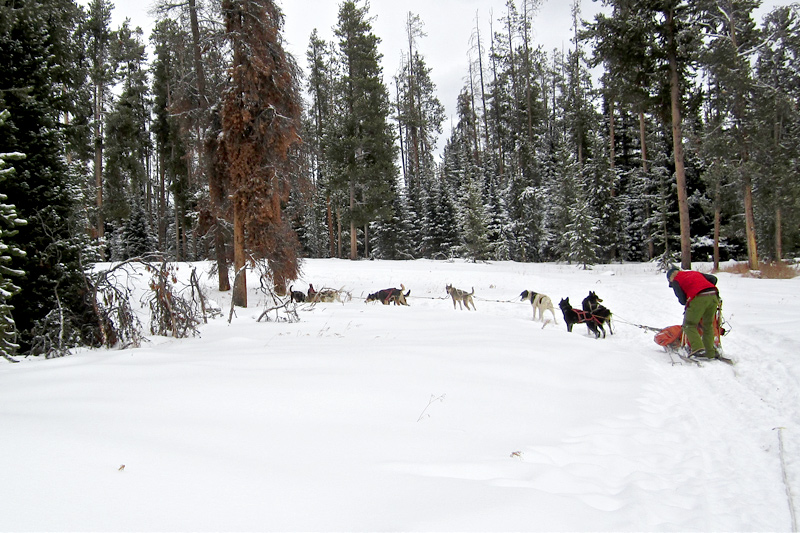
{"x": 40, "y": 53}
{"x": 731, "y": 31}
{"x": 497, "y": 224}
{"x": 101, "y": 73}
{"x": 473, "y": 219}
{"x": 581, "y": 232}
{"x": 777, "y": 136}
{"x": 561, "y": 189}
{"x": 137, "y": 237}
{"x": 191, "y": 52}
{"x": 441, "y": 237}
{"x": 318, "y": 219}
{"x": 419, "y": 116}
{"x": 127, "y": 141}
{"x": 359, "y": 144}
{"x": 9, "y": 222}
{"x": 260, "y": 123}
{"x": 169, "y": 131}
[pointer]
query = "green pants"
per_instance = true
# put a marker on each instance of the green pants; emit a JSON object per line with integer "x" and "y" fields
{"x": 702, "y": 307}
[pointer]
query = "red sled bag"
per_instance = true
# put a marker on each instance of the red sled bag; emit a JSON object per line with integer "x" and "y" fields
{"x": 670, "y": 337}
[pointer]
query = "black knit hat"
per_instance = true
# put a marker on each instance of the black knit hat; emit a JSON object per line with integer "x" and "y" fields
{"x": 670, "y": 271}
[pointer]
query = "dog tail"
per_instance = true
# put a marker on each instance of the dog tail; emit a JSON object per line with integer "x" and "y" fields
{"x": 406, "y": 294}
{"x": 473, "y": 291}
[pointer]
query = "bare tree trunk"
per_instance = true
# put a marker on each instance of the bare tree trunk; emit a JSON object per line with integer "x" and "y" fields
{"x": 220, "y": 251}
{"x": 198, "y": 57}
{"x": 416, "y": 111}
{"x": 400, "y": 138}
{"x": 514, "y": 81}
{"x": 612, "y": 154}
{"x": 717, "y": 221}
{"x": 651, "y": 252}
{"x": 483, "y": 89}
{"x": 353, "y": 239}
{"x": 749, "y": 221}
{"x": 162, "y": 205}
{"x": 338, "y": 232}
{"x": 643, "y": 141}
{"x": 98, "y": 162}
{"x": 177, "y": 236}
{"x": 331, "y": 234}
{"x": 214, "y": 187}
{"x": 778, "y": 237}
{"x": 527, "y": 66}
{"x": 500, "y": 155}
{"x": 747, "y": 184}
{"x": 474, "y": 131}
{"x": 677, "y": 146}
{"x": 239, "y": 258}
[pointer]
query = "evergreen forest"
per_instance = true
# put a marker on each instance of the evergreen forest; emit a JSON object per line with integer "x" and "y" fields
{"x": 667, "y": 131}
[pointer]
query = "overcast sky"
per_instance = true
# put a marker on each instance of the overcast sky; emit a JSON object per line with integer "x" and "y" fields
{"x": 449, "y": 25}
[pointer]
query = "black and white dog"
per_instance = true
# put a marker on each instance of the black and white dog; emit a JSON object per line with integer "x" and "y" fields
{"x": 577, "y": 316}
{"x": 540, "y": 302}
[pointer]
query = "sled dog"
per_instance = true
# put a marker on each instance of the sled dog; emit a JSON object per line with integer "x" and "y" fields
{"x": 461, "y": 297}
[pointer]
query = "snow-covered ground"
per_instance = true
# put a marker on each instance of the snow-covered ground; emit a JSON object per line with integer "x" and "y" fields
{"x": 364, "y": 417}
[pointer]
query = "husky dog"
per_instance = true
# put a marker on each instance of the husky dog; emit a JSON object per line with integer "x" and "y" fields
{"x": 327, "y": 296}
{"x": 387, "y": 296}
{"x": 539, "y": 301}
{"x": 312, "y": 292}
{"x": 296, "y": 296}
{"x": 578, "y": 316}
{"x": 461, "y": 297}
{"x": 602, "y": 315}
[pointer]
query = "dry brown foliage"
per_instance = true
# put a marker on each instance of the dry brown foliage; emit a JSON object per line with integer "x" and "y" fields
{"x": 773, "y": 270}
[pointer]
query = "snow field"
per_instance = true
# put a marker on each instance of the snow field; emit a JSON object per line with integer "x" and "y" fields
{"x": 365, "y": 417}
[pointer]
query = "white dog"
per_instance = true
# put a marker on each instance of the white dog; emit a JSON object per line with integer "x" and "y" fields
{"x": 539, "y": 301}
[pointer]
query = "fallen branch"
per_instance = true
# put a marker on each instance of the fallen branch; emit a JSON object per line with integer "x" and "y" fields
{"x": 430, "y": 402}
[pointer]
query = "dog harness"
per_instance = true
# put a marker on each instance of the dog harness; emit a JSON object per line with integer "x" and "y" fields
{"x": 586, "y": 316}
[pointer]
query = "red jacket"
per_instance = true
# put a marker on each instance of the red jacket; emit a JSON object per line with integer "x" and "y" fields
{"x": 691, "y": 283}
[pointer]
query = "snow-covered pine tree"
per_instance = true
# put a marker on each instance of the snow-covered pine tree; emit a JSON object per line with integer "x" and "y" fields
{"x": 320, "y": 234}
{"x": 560, "y": 189}
{"x": 138, "y": 238}
{"x": 393, "y": 236}
{"x": 9, "y": 222}
{"x": 39, "y": 45}
{"x": 475, "y": 242}
{"x": 169, "y": 129}
{"x": 127, "y": 141}
{"x": 497, "y": 220}
{"x": 581, "y": 235}
{"x": 441, "y": 236}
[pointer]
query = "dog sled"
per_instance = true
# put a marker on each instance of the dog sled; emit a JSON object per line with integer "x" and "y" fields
{"x": 673, "y": 339}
